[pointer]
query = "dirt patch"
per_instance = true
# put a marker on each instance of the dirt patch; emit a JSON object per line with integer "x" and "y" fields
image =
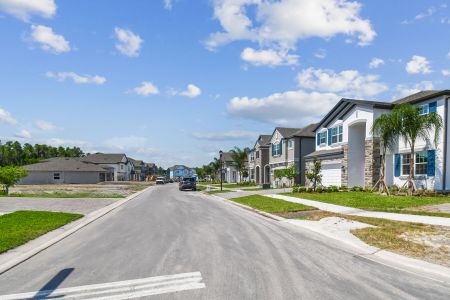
{"x": 312, "y": 215}
{"x": 442, "y": 208}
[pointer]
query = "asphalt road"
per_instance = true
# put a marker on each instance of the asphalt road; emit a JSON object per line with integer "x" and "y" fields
{"x": 239, "y": 254}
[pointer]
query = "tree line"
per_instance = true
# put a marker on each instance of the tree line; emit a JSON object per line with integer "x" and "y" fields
{"x": 12, "y": 153}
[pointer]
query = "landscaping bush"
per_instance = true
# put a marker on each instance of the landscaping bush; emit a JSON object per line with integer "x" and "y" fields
{"x": 357, "y": 189}
{"x": 394, "y": 188}
{"x": 319, "y": 189}
{"x": 333, "y": 189}
{"x": 343, "y": 188}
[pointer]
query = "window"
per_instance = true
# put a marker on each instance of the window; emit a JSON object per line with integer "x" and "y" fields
{"x": 252, "y": 174}
{"x": 277, "y": 149}
{"x": 336, "y": 135}
{"x": 291, "y": 144}
{"x": 121, "y": 167}
{"x": 252, "y": 156}
{"x": 420, "y": 164}
{"x": 56, "y": 176}
{"x": 257, "y": 154}
{"x": 323, "y": 137}
{"x": 424, "y": 109}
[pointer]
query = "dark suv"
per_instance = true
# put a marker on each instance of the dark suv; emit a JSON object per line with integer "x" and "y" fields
{"x": 188, "y": 183}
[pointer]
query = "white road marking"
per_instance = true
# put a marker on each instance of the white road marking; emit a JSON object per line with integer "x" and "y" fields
{"x": 128, "y": 289}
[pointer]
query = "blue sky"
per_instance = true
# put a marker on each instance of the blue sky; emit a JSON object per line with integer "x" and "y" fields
{"x": 175, "y": 81}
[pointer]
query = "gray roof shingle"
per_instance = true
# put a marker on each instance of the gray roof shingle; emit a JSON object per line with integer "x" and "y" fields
{"x": 422, "y": 95}
{"x": 64, "y": 165}
{"x": 307, "y": 131}
{"x": 104, "y": 158}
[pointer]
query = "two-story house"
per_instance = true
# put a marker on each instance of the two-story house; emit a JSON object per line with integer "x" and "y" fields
{"x": 258, "y": 158}
{"x": 117, "y": 164}
{"x": 180, "y": 171}
{"x": 138, "y": 172}
{"x": 230, "y": 172}
{"x": 289, "y": 146}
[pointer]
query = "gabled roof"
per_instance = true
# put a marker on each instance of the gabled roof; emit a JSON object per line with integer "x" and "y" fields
{"x": 286, "y": 132}
{"x": 136, "y": 163}
{"x": 64, "y": 165}
{"x": 421, "y": 96}
{"x": 104, "y": 158}
{"x": 307, "y": 131}
{"x": 263, "y": 140}
{"x": 344, "y": 105}
{"x": 226, "y": 156}
{"x": 177, "y": 166}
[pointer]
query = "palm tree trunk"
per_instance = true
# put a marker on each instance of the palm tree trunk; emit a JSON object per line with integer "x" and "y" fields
{"x": 411, "y": 185}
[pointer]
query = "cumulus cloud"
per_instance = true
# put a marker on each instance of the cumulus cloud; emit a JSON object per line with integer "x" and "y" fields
{"x": 268, "y": 57}
{"x": 48, "y": 40}
{"x": 191, "y": 91}
{"x": 23, "y": 134}
{"x": 6, "y": 117}
{"x": 44, "y": 125}
{"x": 168, "y": 4}
{"x": 146, "y": 89}
{"x": 348, "y": 83}
{"x": 445, "y": 72}
{"x": 226, "y": 136}
{"x": 285, "y": 22}
{"x": 78, "y": 79}
{"x": 128, "y": 43}
{"x": 404, "y": 90}
{"x": 375, "y": 63}
{"x": 418, "y": 65}
{"x": 24, "y": 9}
{"x": 292, "y": 108}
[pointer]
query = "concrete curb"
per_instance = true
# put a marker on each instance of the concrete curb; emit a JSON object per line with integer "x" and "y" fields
{"x": 390, "y": 259}
{"x": 83, "y": 222}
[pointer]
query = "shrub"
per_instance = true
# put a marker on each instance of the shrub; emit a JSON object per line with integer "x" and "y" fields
{"x": 394, "y": 188}
{"x": 356, "y": 189}
{"x": 319, "y": 189}
{"x": 344, "y": 188}
{"x": 333, "y": 188}
{"x": 302, "y": 189}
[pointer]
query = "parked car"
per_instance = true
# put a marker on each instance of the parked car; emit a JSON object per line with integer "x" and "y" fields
{"x": 188, "y": 183}
{"x": 160, "y": 180}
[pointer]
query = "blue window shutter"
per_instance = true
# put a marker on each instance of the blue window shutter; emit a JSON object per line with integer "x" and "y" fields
{"x": 329, "y": 137}
{"x": 432, "y": 107}
{"x": 431, "y": 162}
{"x": 397, "y": 165}
{"x": 273, "y": 149}
{"x": 280, "y": 148}
{"x": 318, "y": 139}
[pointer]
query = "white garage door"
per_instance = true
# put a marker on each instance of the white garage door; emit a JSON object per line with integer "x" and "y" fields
{"x": 331, "y": 174}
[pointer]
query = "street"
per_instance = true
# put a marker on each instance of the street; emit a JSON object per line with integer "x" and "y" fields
{"x": 239, "y": 254}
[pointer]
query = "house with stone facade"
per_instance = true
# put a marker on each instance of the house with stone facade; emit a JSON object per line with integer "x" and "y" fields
{"x": 289, "y": 146}
{"x": 258, "y": 159}
{"x": 350, "y": 154}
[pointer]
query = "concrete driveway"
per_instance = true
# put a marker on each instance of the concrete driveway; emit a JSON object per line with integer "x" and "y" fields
{"x": 235, "y": 253}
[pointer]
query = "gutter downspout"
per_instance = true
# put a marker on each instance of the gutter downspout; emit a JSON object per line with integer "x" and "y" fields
{"x": 444, "y": 175}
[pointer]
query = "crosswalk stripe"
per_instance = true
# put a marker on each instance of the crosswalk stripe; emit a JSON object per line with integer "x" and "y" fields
{"x": 122, "y": 289}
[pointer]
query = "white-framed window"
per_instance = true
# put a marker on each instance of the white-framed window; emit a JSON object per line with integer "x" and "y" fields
{"x": 56, "y": 176}
{"x": 277, "y": 149}
{"x": 420, "y": 163}
{"x": 336, "y": 134}
{"x": 323, "y": 137}
{"x": 252, "y": 174}
{"x": 252, "y": 156}
{"x": 257, "y": 154}
{"x": 291, "y": 143}
{"x": 424, "y": 109}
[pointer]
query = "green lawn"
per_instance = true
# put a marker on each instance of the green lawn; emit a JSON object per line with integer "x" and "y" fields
{"x": 271, "y": 205}
{"x": 237, "y": 185}
{"x": 61, "y": 195}
{"x": 22, "y": 226}
{"x": 371, "y": 201}
{"x": 218, "y": 191}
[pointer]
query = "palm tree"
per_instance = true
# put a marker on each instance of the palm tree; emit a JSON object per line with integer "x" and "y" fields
{"x": 216, "y": 166}
{"x": 239, "y": 156}
{"x": 411, "y": 125}
{"x": 383, "y": 129}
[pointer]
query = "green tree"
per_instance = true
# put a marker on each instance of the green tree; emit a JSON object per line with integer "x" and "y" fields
{"x": 200, "y": 173}
{"x": 313, "y": 175}
{"x": 216, "y": 166}
{"x": 10, "y": 175}
{"x": 411, "y": 125}
{"x": 382, "y": 128}
{"x": 239, "y": 157}
{"x": 290, "y": 173}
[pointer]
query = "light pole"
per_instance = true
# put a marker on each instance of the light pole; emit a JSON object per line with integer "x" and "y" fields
{"x": 221, "y": 169}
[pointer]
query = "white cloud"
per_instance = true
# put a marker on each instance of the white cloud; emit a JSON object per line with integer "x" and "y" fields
{"x": 445, "y": 72}
{"x": 293, "y": 108}
{"x": 285, "y": 22}
{"x": 146, "y": 89}
{"x": 78, "y": 79}
{"x": 168, "y": 4}
{"x": 23, "y": 134}
{"x": 349, "y": 83}
{"x": 320, "y": 53}
{"x": 404, "y": 90}
{"x": 418, "y": 65}
{"x": 226, "y": 136}
{"x": 268, "y": 57}
{"x": 23, "y": 9}
{"x": 191, "y": 91}
{"x": 376, "y": 62}
{"x": 425, "y": 14}
{"x": 44, "y": 125}
{"x": 56, "y": 142}
{"x": 128, "y": 43}
{"x": 48, "y": 40}
{"x": 6, "y": 117}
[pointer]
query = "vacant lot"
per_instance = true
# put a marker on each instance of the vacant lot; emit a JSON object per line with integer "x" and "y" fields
{"x": 101, "y": 190}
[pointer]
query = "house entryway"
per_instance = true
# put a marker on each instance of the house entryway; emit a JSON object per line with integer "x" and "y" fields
{"x": 356, "y": 154}
{"x": 267, "y": 174}
{"x": 257, "y": 175}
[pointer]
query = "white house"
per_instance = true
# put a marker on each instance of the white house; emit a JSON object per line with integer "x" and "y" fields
{"x": 117, "y": 163}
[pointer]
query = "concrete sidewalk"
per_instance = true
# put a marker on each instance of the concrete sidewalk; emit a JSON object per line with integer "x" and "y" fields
{"x": 440, "y": 221}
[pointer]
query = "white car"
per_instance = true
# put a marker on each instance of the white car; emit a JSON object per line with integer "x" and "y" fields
{"x": 160, "y": 180}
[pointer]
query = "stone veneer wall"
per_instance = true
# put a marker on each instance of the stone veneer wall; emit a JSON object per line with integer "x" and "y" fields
{"x": 344, "y": 170}
{"x": 372, "y": 162}
{"x": 309, "y": 164}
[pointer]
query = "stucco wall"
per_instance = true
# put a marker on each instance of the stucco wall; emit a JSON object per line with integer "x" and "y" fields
{"x": 65, "y": 177}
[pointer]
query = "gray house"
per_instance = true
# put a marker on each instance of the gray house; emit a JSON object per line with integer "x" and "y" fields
{"x": 64, "y": 171}
{"x": 139, "y": 171}
{"x": 117, "y": 163}
{"x": 258, "y": 158}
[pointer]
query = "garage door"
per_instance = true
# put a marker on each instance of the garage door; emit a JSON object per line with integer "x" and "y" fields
{"x": 331, "y": 174}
